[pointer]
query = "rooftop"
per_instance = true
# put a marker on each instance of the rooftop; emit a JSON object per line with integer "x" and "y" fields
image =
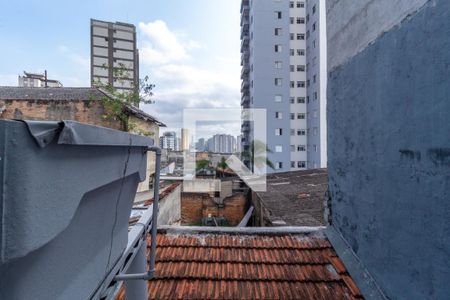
{"x": 248, "y": 266}
{"x": 295, "y": 198}
{"x": 66, "y": 94}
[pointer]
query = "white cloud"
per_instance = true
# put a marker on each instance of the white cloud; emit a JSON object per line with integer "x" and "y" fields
{"x": 81, "y": 61}
{"x": 162, "y": 45}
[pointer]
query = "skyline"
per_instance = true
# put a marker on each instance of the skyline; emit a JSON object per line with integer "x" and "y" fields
{"x": 192, "y": 65}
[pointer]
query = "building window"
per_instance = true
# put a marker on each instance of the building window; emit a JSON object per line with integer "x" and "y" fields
{"x": 278, "y": 98}
{"x": 278, "y": 64}
{"x": 291, "y": 4}
{"x": 292, "y": 164}
{"x": 278, "y": 115}
{"x": 307, "y": 18}
{"x": 307, "y": 83}
{"x": 278, "y": 148}
{"x": 314, "y": 26}
{"x": 301, "y": 116}
{"x": 292, "y": 100}
{"x": 301, "y": 132}
{"x": 278, "y": 81}
{"x": 278, "y": 31}
{"x": 315, "y": 78}
{"x": 300, "y": 84}
{"x": 301, "y": 52}
{"x": 291, "y": 20}
{"x": 314, "y": 9}
{"x": 292, "y": 68}
{"x": 292, "y": 84}
{"x": 301, "y": 148}
{"x": 278, "y": 48}
{"x": 292, "y": 148}
{"x": 314, "y": 61}
{"x": 315, "y": 148}
{"x": 291, "y": 36}
{"x": 300, "y": 68}
{"x": 307, "y": 99}
{"x": 292, "y": 116}
{"x": 278, "y": 15}
{"x": 315, "y": 96}
{"x": 315, "y": 130}
{"x": 300, "y": 99}
{"x": 279, "y": 131}
{"x": 279, "y": 165}
{"x": 300, "y": 20}
{"x": 292, "y": 132}
{"x": 307, "y": 34}
{"x": 300, "y": 36}
{"x": 292, "y": 52}
{"x": 301, "y": 164}
{"x": 300, "y": 4}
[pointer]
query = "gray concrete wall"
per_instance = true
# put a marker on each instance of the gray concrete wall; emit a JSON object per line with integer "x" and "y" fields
{"x": 170, "y": 208}
{"x": 389, "y": 141}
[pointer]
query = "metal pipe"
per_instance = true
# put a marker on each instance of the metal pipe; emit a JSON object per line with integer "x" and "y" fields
{"x": 138, "y": 289}
{"x": 150, "y": 274}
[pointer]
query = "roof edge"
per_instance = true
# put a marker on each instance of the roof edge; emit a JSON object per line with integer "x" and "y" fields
{"x": 318, "y": 231}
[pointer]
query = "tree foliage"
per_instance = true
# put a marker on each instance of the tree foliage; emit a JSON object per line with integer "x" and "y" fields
{"x": 256, "y": 154}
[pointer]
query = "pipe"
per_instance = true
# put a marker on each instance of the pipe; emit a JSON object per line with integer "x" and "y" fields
{"x": 151, "y": 272}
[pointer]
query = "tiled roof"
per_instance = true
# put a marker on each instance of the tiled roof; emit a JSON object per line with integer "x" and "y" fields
{"x": 221, "y": 266}
{"x": 295, "y": 198}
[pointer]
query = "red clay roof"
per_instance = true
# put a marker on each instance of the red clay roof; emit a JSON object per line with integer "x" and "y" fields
{"x": 223, "y": 266}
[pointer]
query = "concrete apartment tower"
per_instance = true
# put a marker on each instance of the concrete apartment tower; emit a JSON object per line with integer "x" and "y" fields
{"x": 113, "y": 45}
{"x": 283, "y": 58}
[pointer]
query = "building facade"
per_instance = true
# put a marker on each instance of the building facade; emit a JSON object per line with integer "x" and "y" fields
{"x": 283, "y": 58}
{"x": 114, "y": 55}
{"x": 221, "y": 143}
{"x": 170, "y": 141}
{"x": 37, "y": 80}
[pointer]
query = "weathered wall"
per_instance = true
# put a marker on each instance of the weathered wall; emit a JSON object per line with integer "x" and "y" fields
{"x": 89, "y": 112}
{"x": 389, "y": 145}
{"x": 195, "y": 206}
{"x": 170, "y": 207}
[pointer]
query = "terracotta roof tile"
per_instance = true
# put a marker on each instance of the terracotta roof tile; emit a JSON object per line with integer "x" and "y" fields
{"x": 248, "y": 267}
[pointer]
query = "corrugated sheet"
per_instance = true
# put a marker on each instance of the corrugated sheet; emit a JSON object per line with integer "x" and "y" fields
{"x": 248, "y": 267}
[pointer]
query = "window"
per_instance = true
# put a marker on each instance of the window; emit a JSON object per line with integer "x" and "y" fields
{"x": 301, "y": 116}
{"x": 278, "y": 31}
{"x": 315, "y": 130}
{"x": 314, "y": 61}
{"x": 292, "y": 164}
{"x": 314, "y": 9}
{"x": 307, "y": 83}
{"x": 292, "y": 132}
{"x": 300, "y": 99}
{"x": 307, "y": 99}
{"x": 292, "y": 52}
{"x": 300, "y": 84}
{"x": 314, "y": 44}
{"x": 291, "y": 36}
{"x": 301, "y": 52}
{"x": 292, "y": 68}
{"x": 291, "y": 20}
{"x": 278, "y": 98}
{"x": 279, "y": 131}
{"x": 292, "y": 100}
{"x": 292, "y": 116}
{"x": 300, "y": 68}
{"x": 307, "y": 18}
{"x": 301, "y": 164}
{"x": 315, "y": 96}
{"x": 278, "y": 48}
{"x": 278, "y": 15}
{"x": 300, "y": 20}
{"x": 301, "y": 148}
{"x": 300, "y": 36}
{"x": 292, "y": 84}
{"x": 278, "y": 81}
{"x": 314, "y": 26}
{"x": 278, "y": 115}
{"x": 292, "y": 148}
{"x": 315, "y": 78}
{"x": 291, "y": 4}
{"x": 278, "y": 64}
{"x": 278, "y": 148}
{"x": 279, "y": 165}
{"x": 301, "y": 132}
{"x": 315, "y": 148}
{"x": 300, "y": 4}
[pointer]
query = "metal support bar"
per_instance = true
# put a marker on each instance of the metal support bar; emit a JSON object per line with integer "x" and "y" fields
{"x": 150, "y": 274}
{"x": 246, "y": 218}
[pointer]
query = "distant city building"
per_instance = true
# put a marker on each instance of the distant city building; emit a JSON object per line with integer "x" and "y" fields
{"x": 113, "y": 45}
{"x": 185, "y": 144}
{"x": 284, "y": 63}
{"x": 37, "y": 80}
{"x": 221, "y": 143}
{"x": 200, "y": 145}
{"x": 238, "y": 144}
{"x": 170, "y": 141}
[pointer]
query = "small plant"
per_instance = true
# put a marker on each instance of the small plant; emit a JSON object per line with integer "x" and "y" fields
{"x": 116, "y": 101}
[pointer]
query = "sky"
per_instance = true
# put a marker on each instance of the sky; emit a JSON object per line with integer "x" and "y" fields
{"x": 189, "y": 49}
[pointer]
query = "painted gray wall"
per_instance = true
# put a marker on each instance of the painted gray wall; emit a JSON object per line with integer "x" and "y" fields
{"x": 389, "y": 148}
{"x": 170, "y": 208}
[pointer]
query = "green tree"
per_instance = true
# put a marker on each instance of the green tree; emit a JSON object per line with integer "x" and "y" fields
{"x": 221, "y": 166}
{"x": 116, "y": 101}
{"x": 202, "y": 165}
{"x": 255, "y": 155}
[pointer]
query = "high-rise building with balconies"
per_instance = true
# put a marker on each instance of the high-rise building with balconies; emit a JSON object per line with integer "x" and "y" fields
{"x": 283, "y": 58}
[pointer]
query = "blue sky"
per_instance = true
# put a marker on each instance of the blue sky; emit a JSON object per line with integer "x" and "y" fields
{"x": 190, "y": 49}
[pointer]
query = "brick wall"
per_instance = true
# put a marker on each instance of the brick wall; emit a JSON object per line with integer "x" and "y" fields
{"x": 195, "y": 206}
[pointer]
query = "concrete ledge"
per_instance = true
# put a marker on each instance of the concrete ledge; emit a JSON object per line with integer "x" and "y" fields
{"x": 314, "y": 231}
{"x": 355, "y": 267}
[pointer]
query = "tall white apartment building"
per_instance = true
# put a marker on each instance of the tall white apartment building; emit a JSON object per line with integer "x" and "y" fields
{"x": 283, "y": 58}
